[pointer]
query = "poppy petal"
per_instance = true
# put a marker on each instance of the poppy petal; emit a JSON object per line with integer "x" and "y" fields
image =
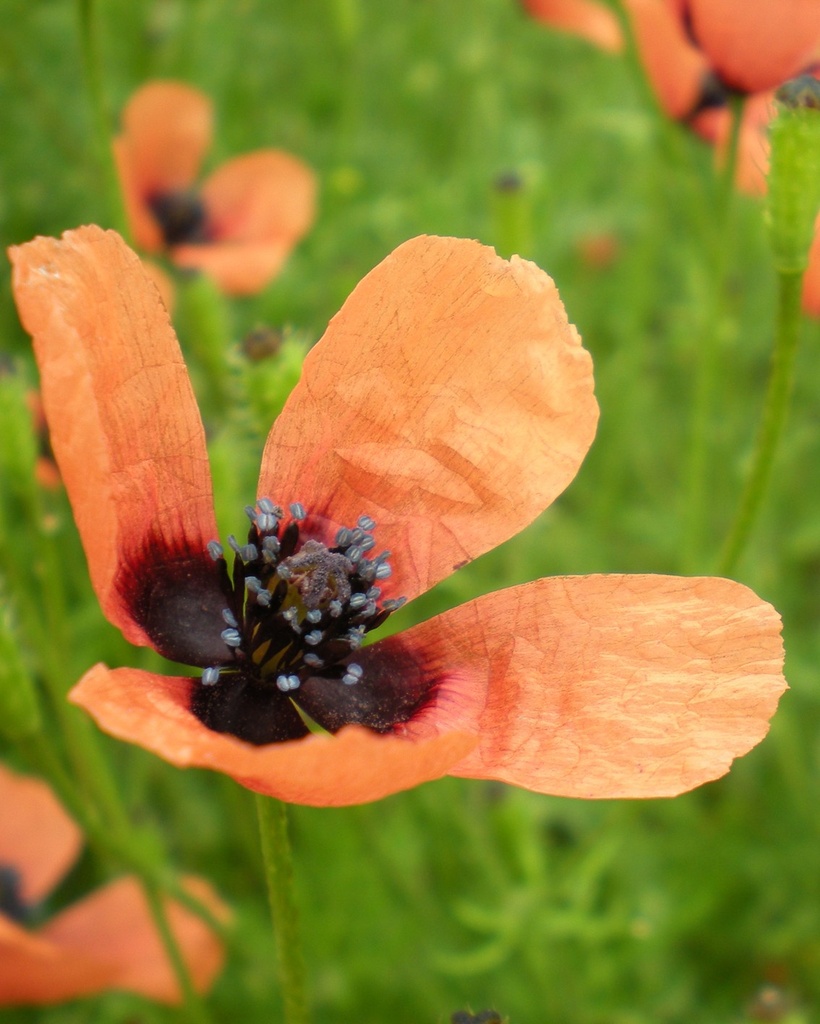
{"x": 166, "y": 131}
{"x": 585, "y": 18}
{"x": 107, "y": 940}
{"x": 37, "y": 837}
{"x": 127, "y": 437}
{"x": 355, "y": 766}
{"x": 449, "y": 399}
{"x": 258, "y": 207}
{"x": 35, "y": 972}
{"x": 811, "y": 280}
{"x": 604, "y": 686}
{"x": 94, "y": 927}
{"x": 676, "y": 69}
{"x": 756, "y": 45}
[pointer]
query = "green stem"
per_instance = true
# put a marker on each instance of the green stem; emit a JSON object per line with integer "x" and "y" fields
{"x": 194, "y": 1006}
{"x": 775, "y": 409}
{"x": 278, "y": 861}
{"x": 92, "y": 66}
{"x": 707, "y": 372}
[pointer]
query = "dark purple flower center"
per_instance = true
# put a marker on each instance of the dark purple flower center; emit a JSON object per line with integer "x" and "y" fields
{"x": 295, "y": 618}
{"x": 12, "y": 903}
{"x": 181, "y": 216}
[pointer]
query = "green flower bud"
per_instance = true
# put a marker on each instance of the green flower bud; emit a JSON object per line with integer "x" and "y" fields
{"x": 794, "y": 175}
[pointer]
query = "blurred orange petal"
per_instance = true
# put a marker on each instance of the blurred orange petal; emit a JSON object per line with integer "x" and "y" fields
{"x": 36, "y": 972}
{"x": 166, "y": 133}
{"x": 355, "y": 766}
{"x": 755, "y": 45}
{"x": 124, "y": 423}
{"x": 37, "y": 837}
{"x": 605, "y": 686}
{"x": 811, "y": 281}
{"x": 585, "y": 18}
{"x": 114, "y": 926}
{"x": 105, "y": 941}
{"x": 675, "y": 68}
{"x": 449, "y": 399}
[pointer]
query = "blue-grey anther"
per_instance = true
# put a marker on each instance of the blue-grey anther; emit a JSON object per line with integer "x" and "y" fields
{"x": 357, "y": 601}
{"x": 314, "y": 637}
{"x": 253, "y": 583}
{"x": 250, "y": 512}
{"x": 366, "y": 522}
{"x": 229, "y": 617}
{"x": 297, "y": 510}
{"x": 355, "y": 552}
{"x": 394, "y": 603}
{"x": 355, "y": 636}
{"x": 268, "y": 507}
{"x": 335, "y": 608}
{"x": 215, "y": 550}
{"x": 210, "y": 676}
{"x": 353, "y": 674}
{"x": 313, "y": 660}
{"x": 344, "y": 537}
{"x": 232, "y": 637}
{"x": 286, "y": 683}
{"x": 314, "y": 615}
{"x": 291, "y": 616}
{"x": 383, "y": 570}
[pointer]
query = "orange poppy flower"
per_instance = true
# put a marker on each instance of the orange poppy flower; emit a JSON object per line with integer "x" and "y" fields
{"x": 585, "y": 18}
{"x": 104, "y": 941}
{"x": 754, "y": 45}
{"x": 240, "y": 225}
{"x": 450, "y": 400}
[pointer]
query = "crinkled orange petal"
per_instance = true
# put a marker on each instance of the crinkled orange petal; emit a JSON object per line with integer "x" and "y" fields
{"x": 36, "y": 972}
{"x": 605, "y": 686}
{"x": 107, "y": 940}
{"x": 675, "y": 68}
{"x": 164, "y": 284}
{"x": 258, "y": 207}
{"x": 450, "y": 400}
{"x": 37, "y": 837}
{"x": 115, "y": 926}
{"x": 353, "y": 767}
{"x": 585, "y": 18}
{"x": 124, "y": 424}
{"x": 811, "y": 281}
{"x": 756, "y": 45}
{"x": 714, "y": 124}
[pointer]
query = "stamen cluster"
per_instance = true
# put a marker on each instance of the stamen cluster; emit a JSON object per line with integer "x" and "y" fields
{"x": 298, "y": 609}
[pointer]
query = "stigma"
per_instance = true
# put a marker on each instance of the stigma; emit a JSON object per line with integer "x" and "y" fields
{"x": 297, "y": 612}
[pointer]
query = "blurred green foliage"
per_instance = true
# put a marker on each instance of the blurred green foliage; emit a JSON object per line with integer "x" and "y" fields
{"x": 464, "y": 894}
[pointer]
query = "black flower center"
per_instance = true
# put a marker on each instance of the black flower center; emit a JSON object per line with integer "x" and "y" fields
{"x": 181, "y": 216}
{"x": 297, "y": 613}
{"x": 11, "y": 900}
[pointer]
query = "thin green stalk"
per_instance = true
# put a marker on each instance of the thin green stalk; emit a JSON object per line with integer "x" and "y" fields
{"x": 278, "y": 861}
{"x": 92, "y": 67}
{"x": 775, "y": 410}
{"x": 194, "y": 1006}
{"x": 707, "y": 372}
